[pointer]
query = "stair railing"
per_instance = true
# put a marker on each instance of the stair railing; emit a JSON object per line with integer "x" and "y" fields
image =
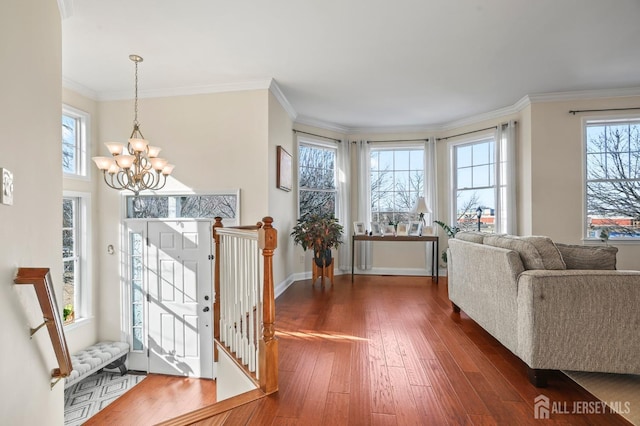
{"x": 244, "y": 309}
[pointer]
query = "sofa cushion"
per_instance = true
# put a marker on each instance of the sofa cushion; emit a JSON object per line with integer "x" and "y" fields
{"x": 536, "y": 252}
{"x": 586, "y": 257}
{"x": 471, "y": 236}
{"x": 549, "y": 252}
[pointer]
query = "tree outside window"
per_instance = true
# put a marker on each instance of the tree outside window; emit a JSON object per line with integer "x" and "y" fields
{"x": 70, "y": 257}
{"x": 474, "y": 185}
{"x": 397, "y": 179}
{"x": 317, "y": 179}
{"x": 613, "y": 178}
{"x": 74, "y": 123}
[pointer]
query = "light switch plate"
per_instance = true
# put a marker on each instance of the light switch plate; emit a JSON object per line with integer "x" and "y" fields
{"x": 6, "y": 193}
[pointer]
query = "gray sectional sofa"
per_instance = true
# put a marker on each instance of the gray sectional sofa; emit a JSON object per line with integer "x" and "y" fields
{"x": 555, "y": 306}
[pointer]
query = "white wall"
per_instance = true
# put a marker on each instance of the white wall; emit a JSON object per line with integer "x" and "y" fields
{"x": 282, "y": 205}
{"x": 30, "y": 108}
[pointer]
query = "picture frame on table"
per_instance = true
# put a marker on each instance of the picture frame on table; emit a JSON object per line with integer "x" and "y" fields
{"x": 375, "y": 228}
{"x": 358, "y": 228}
{"x": 415, "y": 229}
{"x": 402, "y": 228}
{"x": 388, "y": 230}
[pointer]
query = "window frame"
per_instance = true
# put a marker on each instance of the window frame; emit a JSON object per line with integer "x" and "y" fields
{"x": 586, "y": 122}
{"x": 234, "y": 221}
{"x": 82, "y": 230}
{"x": 493, "y": 177}
{"x": 324, "y": 145}
{"x": 394, "y": 147}
{"x": 82, "y": 144}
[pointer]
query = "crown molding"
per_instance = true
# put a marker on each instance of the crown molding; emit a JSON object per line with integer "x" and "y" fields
{"x": 282, "y": 99}
{"x": 584, "y": 94}
{"x": 271, "y": 85}
{"x": 80, "y": 89}
{"x": 393, "y": 129}
{"x": 259, "y": 84}
{"x": 486, "y": 116}
{"x": 66, "y": 8}
{"x": 313, "y": 122}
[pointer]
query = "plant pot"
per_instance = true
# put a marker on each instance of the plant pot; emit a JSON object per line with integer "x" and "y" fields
{"x": 322, "y": 257}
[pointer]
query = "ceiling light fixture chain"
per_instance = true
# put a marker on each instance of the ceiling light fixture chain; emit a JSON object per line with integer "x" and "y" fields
{"x": 136, "y": 167}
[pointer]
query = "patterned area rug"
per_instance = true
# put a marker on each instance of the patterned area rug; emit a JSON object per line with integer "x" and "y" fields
{"x": 87, "y": 397}
{"x": 621, "y": 392}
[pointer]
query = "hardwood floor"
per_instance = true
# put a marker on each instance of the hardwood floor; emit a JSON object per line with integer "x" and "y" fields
{"x": 390, "y": 351}
{"x": 155, "y": 399}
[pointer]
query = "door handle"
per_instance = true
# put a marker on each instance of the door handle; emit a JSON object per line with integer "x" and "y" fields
{"x": 206, "y": 309}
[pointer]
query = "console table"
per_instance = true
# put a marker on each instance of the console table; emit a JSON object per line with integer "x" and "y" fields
{"x": 435, "y": 244}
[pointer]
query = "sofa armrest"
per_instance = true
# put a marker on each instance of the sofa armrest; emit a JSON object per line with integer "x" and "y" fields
{"x": 584, "y": 320}
{"x": 483, "y": 282}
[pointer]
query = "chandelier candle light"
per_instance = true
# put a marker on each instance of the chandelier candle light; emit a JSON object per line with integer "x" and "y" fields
{"x": 136, "y": 167}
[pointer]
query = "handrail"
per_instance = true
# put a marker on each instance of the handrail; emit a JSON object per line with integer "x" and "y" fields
{"x": 267, "y": 351}
{"x": 41, "y": 280}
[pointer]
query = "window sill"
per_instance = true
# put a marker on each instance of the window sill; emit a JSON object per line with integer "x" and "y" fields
{"x": 80, "y": 322}
{"x": 613, "y": 241}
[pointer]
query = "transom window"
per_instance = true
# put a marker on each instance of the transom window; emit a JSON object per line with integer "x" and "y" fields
{"x": 474, "y": 185}
{"x": 74, "y": 143}
{"x": 612, "y": 157}
{"x": 397, "y": 179}
{"x": 190, "y": 206}
{"x": 317, "y": 179}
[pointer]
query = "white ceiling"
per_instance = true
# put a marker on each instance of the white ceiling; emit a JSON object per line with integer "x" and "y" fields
{"x": 356, "y": 64}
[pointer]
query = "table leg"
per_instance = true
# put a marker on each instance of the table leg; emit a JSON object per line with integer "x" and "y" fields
{"x": 435, "y": 255}
{"x": 353, "y": 243}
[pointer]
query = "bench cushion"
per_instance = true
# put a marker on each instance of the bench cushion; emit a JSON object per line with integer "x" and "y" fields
{"x": 94, "y": 358}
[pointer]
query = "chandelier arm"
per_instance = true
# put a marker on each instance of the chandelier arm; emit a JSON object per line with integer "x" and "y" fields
{"x": 109, "y": 184}
{"x": 149, "y": 180}
{"x": 124, "y": 183}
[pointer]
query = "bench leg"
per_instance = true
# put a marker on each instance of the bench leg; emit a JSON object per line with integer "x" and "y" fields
{"x": 119, "y": 364}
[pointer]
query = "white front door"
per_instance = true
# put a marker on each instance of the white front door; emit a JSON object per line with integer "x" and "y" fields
{"x": 180, "y": 298}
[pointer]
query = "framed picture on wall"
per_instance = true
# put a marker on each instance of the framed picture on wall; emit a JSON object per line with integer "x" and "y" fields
{"x": 284, "y": 175}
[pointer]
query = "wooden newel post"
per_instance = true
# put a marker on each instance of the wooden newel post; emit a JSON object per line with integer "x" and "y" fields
{"x": 268, "y": 364}
{"x": 216, "y": 287}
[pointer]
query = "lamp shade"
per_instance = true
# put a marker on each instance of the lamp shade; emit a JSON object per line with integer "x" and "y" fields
{"x": 125, "y": 161}
{"x": 421, "y": 206}
{"x": 103, "y": 163}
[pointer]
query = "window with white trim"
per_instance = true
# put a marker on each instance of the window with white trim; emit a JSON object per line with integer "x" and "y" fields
{"x": 317, "y": 189}
{"x": 612, "y": 178}
{"x": 186, "y": 206}
{"x": 75, "y": 243}
{"x": 474, "y": 185}
{"x": 396, "y": 181}
{"x": 74, "y": 142}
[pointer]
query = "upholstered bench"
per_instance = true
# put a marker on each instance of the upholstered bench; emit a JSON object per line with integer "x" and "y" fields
{"x": 97, "y": 357}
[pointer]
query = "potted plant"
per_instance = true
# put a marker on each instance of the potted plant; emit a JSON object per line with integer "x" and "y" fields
{"x": 67, "y": 313}
{"x": 319, "y": 232}
{"x": 451, "y": 233}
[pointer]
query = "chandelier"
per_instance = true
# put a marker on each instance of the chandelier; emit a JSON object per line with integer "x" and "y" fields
{"x": 137, "y": 166}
